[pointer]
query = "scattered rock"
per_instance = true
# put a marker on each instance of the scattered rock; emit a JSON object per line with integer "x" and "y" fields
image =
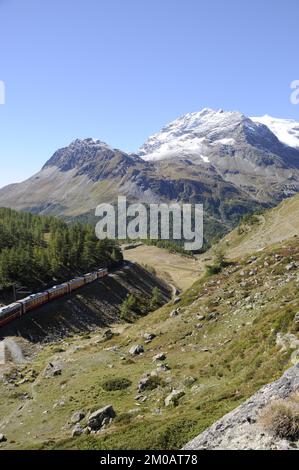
{"x": 108, "y": 334}
{"x": 141, "y": 398}
{"x": 142, "y": 385}
{"x": 2, "y": 438}
{"x": 149, "y": 336}
{"x": 77, "y": 417}
{"x": 163, "y": 368}
{"x": 52, "y": 370}
{"x": 154, "y": 373}
{"x": 291, "y": 266}
{"x": 174, "y": 397}
{"x": 212, "y": 316}
{"x": 159, "y": 357}
{"x": 188, "y": 381}
{"x": 287, "y": 341}
{"x": 137, "y": 349}
{"x": 176, "y": 300}
{"x": 174, "y": 313}
{"x": 101, "y": 417}
{"x": 201, "y": 317}
{"x": 149, "y": 382}
{"x": 77, "y": 431}
{"x": 112, "y": 349}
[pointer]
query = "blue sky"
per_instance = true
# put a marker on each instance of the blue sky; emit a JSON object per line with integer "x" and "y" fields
{"x": 119, "y": 70}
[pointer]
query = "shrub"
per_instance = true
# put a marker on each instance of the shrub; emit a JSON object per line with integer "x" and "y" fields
{"x": 281, "y": 418}
{"x": 211, "y": 270}
{"x": 153, "y": 382}
{"x": 219, "y": 262}
{"x": 113, "y": 385}
{"x": 156, "y": 299}
{"x": 175, "y": 435}
{"x": 127, "y": 309}
{"x": 250, "y": 219}
{"x": 219, "y": 255}
{"x": 123, "y": 418}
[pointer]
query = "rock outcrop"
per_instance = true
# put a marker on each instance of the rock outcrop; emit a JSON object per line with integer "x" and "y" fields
{"x": 242, "y": 429}
{"x": 173, "y": 397}
{"x": 52, "y": 370}
{"x": 101, "y": 417}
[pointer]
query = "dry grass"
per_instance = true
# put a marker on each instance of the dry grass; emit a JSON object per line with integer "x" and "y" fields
{"x": 173, "y": 268}
{"x": 275, "y": 226}
{"x": 281, "y": 418}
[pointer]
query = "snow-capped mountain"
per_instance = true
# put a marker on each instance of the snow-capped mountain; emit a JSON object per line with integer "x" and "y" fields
{"x": 191, "y": 134}
{"x": 225, "y": 160}
{"x": 286, "y": 130}
{"x": 203, "y": 135}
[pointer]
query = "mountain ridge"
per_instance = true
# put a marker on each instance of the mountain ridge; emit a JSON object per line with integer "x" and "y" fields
{"x": 221, "y": 159}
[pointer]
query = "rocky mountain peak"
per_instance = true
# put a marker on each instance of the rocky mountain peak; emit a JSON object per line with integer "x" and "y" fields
{"x": 228, "y": 140}
{"x": 198, "y": 133}
{"x": 79, "y": 153}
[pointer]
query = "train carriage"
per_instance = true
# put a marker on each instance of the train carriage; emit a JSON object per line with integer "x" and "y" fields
{"x": 76, "y": 283}
{"x": 17, "y": 309}
{"x": 58, "y": 291}
{"x": 102, "y": 272}
{"x": 34, "y": 301}
{"x": 9, "y": 313}
{"x": 90, "y": 277}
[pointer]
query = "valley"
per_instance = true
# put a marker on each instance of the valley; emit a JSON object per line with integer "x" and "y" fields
{"x": 149, "y": 231}
{"x": 153, "y": 355}
{"x": 177, "y": 270}
{"x": 172, "y": 373}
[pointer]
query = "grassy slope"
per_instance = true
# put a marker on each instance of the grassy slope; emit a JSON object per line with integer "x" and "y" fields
{"x": 230, "y": 359}
{"x": 273, "y": 226}
{"x": 178, "y": 270}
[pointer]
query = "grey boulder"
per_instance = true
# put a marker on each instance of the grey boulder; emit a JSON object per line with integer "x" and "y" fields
{"x": 101, "y": 417}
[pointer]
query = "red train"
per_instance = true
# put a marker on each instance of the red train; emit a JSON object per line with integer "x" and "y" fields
{"x": 19, "y": 308}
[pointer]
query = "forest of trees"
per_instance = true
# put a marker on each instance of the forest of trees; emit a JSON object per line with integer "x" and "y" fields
{"x": 37, "y": 251}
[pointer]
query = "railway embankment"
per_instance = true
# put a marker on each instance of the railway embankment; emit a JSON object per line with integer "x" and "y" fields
{"x": 93, "y": 306}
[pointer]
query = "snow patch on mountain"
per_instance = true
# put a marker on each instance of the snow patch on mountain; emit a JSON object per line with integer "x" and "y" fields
{"x": 193, "y": 135}
{"x": 286, "y": 130}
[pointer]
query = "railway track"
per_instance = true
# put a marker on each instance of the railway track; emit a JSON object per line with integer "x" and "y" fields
{"x": 17, "y": 309}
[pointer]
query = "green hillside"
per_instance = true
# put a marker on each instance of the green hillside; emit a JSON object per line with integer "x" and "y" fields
{"x": 38, "y": 250}
{"x": 220, "y": 347}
